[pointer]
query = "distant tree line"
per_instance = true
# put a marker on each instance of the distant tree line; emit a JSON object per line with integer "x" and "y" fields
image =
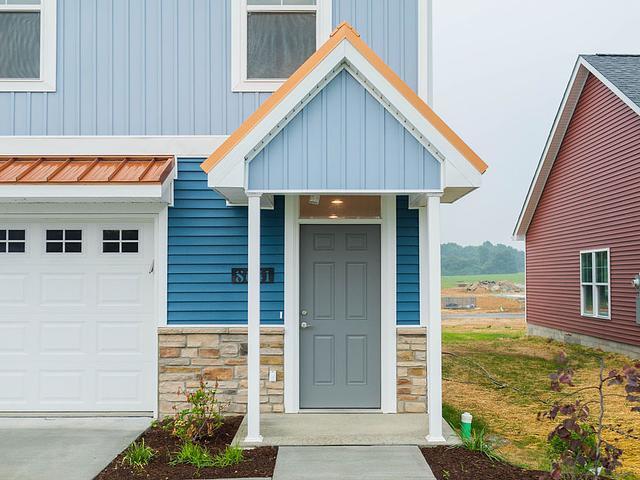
{"x": 481, "y": 259}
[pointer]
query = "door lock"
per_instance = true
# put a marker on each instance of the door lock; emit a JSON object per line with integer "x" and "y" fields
{"x": 305, "y": 325}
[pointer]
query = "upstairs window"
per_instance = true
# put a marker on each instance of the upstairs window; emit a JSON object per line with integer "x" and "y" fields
{"x": 272, "y": 38}
{"x": 27, "y": 45}
{"x": 594, "y": 280}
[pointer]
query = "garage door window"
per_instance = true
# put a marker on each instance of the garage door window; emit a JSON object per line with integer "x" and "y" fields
{"x": 120, "y": 241}
{"x": 12, "y": 241}
{"x": 64, "y": 241}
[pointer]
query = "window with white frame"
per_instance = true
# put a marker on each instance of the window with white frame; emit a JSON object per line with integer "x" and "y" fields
{"x": 13, "y": 241}
{"x": 27, "y": 45}
{"x": 120, "y": 241}
{"x": 63, "y": 241}
{"x": 272, "y": 38}
{"x": 595, "y": 282}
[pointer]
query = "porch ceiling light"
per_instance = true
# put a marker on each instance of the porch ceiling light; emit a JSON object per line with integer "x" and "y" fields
{"x": 314, "y": 199}
{"x": 333, "y": 215}
{"x": 337, "y": 201}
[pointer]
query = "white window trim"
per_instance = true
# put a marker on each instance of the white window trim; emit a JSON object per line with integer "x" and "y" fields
{"x": 47, "y": 80}
{"x": 239, "y": 9}
{"x": 594, "y": 284}
{"x": 4, "y": 228}
{"x": 64, "y": 240}
{"x": 119, "y": 228}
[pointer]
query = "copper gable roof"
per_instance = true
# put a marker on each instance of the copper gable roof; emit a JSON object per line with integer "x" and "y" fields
{"x": 96, "y": 170}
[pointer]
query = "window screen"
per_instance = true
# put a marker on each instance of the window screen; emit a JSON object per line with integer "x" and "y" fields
{"x": 278, "y": 43}
{"x": 19, "y": 44}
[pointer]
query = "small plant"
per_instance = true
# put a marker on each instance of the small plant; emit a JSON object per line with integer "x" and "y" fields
{"x": 138, "y": 455}
{"x": 193, "y": 454}
{"x": 577, "y": 446}
{"x": 232, "y": 455}
{"x": 478, "y": 443}
{"x": 202, "y": 418}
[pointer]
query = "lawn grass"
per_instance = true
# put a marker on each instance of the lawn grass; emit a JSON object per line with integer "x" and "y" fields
{"x": 453, "y": 280}
{"x": 506, "y": 405}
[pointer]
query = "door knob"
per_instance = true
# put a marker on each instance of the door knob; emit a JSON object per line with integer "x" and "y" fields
{"x": 304, "y": 313}
{"x": 305, "y": 325}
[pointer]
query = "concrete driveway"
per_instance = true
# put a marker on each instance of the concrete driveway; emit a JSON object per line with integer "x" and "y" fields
{"x": 65, "y": 448}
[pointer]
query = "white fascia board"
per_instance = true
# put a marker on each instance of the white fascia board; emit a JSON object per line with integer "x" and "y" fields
{"x": 83, "y": 193}
{"x": 552, "y": 147}
{"x": 194, "y": 146}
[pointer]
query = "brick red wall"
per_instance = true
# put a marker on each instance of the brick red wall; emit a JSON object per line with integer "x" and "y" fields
{"x": 591, "y": 200}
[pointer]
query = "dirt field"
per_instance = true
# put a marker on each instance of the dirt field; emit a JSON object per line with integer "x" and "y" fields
{"x": 523, "y": 362}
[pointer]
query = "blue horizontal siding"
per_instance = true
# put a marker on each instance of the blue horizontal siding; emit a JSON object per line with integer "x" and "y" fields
{"x": 162, "y": 67}
{"x": 344, "y": 139}
{"x": 207, "y": 239}
{"x": 408, "y": 276}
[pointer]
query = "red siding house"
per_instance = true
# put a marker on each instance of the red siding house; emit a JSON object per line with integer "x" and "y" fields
{"x": 581, "y": 217}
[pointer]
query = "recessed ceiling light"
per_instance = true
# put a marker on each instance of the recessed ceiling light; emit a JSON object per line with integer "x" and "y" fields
{"x": 337, "y": 201}
{"x": 333, "y": 215}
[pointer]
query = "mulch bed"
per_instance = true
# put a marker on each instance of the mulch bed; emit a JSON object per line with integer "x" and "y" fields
{"x": 456, "y": 463}
{"x": 258, "y": 462}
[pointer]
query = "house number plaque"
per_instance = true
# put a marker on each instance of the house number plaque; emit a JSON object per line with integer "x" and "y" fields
{"x": 241, "y": 275}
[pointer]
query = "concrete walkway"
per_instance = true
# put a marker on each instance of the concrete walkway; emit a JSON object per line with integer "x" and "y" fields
{"x": 326, "y": 429}
{"x": 350, "y": 463}
{"x": 63, "y": 448}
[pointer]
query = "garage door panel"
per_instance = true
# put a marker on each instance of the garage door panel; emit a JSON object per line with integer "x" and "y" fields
{"x": 13, "y": 290}
{"x": 68, "y": 290}
{"x": 63, "y": 338}
{"x": 77, "y": 332}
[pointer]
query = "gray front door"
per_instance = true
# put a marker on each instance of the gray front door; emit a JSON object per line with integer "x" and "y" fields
{"x": 340, "y": 307}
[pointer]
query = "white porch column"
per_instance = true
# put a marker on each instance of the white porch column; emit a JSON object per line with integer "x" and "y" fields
{"x": 253, "y": 317}
{"x": 429, "y": 239}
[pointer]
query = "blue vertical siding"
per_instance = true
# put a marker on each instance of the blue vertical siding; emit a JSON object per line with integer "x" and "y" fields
{"x": 344, "y": 139}
{"x": 408, "y": 284}
{"x": 207, "y": 239}
{"x": 162, "y": 67}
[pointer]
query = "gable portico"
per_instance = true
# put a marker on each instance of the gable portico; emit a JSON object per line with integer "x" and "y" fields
{"x": 345, "y": 125}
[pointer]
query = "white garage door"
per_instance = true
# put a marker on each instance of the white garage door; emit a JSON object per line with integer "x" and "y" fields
{"x": 77, "y": 310}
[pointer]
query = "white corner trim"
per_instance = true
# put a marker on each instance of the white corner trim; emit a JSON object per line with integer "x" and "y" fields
{"x": 196, "y": 146}
{"x": 239, "y": 80}
{"x": 388, "y": 322}
{"x": 48, "y": 44}
{"x": 161, "y": 264}
{"x": 425, "y": 50}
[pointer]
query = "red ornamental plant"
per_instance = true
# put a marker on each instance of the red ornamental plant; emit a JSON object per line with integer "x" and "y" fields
{"x": 577, "y": 442}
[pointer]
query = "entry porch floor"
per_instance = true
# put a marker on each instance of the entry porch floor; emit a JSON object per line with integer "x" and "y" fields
{"x": 317, "y": 429}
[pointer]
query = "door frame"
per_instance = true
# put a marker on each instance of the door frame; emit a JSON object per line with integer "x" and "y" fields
{"x": 388, "y": 374}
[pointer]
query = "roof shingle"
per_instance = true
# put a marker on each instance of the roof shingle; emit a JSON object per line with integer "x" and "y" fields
{"x": 621, "y": 70}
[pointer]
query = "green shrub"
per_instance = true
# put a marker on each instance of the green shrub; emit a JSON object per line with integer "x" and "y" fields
{"x": 138, "y": 455}
{"x": 193, "y": 454}
{"x": 202, "y": 418}
{"x": 478, "y": 443}
{"x": 232, "y": 455}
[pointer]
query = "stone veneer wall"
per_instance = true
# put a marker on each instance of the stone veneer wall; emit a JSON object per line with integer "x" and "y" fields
{"x": 218, "y": 355}
{"x": 411, "y": 370}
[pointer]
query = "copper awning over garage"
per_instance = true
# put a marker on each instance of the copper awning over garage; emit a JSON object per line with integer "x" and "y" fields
{"x": 85, "y": 170}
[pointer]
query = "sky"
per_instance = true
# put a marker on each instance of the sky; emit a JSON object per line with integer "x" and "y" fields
{"x": 500, "y": 71}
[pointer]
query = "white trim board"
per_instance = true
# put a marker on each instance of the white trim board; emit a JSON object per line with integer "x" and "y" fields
{"x": 292, "y": 302}
{"x": 196, "y": 146}
{"x": 570, "y": 100}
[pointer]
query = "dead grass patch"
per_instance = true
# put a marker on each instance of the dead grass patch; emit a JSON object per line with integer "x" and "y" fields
{"x": 524, "y": 363}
